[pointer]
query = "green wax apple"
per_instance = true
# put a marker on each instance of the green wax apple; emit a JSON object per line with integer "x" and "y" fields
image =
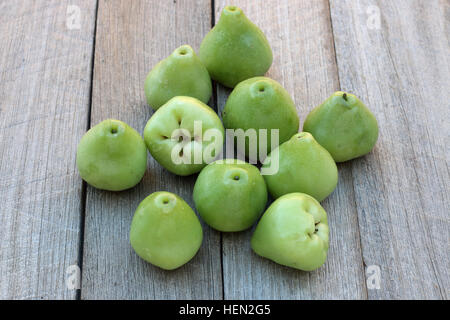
{"x": 165, "y": 231}
{"x": 112, "y": 156}
{"x": 184, "y": 135}
{"x": 304, "y": 166}
{"x": 293, "y": 232}
{"x": 235, "y": 49}
{"x": 180, "y": 74}
{"x": 261, "y": 103}
{"x": 230, "y": 195}
{"x": 344, "y": 126}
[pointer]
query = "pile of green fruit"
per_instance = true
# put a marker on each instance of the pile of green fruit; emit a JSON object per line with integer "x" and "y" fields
{"x": 230, "y": 195}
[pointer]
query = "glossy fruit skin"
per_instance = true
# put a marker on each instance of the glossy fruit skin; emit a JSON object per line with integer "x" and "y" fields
{"x": 235, "y": 49}
{"x": 344, "y": 126}
{"x": 304, "y": 166}
{"x": 112, "y": 156}
{"x": 261, "y": 103}
{"x": 230, "y": 195}
{"x": 165, "y": 231}
{"x": 180, "y": 74}
{"x": 293, "y": 232}
{"x": 180, "y": 112}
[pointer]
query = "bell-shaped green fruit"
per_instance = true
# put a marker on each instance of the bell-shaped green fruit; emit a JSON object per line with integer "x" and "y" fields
{"x": 344, "y": 126}
{"x": 184, "y": 135}
{"x": 230, "y": 195}
{"x": 180, "y": 74}
{"x": 112, "y": 156}
{"x": 165, "y": 231}
{"x": 303, "y": 166}
{"x": 293, "y": 232}
{"x": 260, "y": 103}
{"x": 235, "y": 49}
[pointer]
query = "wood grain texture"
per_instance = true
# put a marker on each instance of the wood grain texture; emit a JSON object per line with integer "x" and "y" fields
{"x": 402, "y": 71}
{"x": 304, "y": 63}
{"x": 44, "y": 98}
{"x": 390, "y": 209}
{"x": 131, "y": 38}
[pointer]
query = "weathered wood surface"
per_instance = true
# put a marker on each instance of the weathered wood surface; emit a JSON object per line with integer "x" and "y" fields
{"x": 131, "y": 38}
{"x": 304, "y": 63}
{"x": 45, "y": 72}
{"x": 402, "y": 71}
{"x": 390, "y": 208}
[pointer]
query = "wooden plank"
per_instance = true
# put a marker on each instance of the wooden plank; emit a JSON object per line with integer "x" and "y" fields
{"x": 304, "y": 63}
{"x": 131, "y": 38}
{"x": 401, "y": 70}
{"x": 44, "y": 98}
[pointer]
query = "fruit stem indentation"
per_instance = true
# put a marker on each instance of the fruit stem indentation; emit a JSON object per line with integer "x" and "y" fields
{"x": 317, "y": 226}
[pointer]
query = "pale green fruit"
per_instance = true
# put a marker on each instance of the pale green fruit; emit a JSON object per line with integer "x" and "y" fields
{"x": 112, "y": 156}
{"x": 344, "y": 126}
{"x": 165, "y": 231}
{"x": 293, "y": 232}
{"x": 261, "y": 103}
{"x": 235, "y": 49}
{"x": 304, "y": 166}
{"x": 180, "y": 74}
{"x": 230, "y": 195}
{"x": 172, "y": 138}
